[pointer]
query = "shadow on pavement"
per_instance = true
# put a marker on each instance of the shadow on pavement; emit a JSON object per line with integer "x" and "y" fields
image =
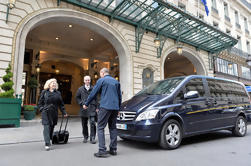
{"x": 186, "y": 141}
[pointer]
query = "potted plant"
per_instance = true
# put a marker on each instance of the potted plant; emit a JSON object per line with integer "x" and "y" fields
{"x": 10, "y": 107}
{"x": 32, "y": 84}
{"x": 29, "y": 111}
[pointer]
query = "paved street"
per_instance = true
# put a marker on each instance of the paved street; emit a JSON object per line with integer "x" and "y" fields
{"x": 219, "y": 148}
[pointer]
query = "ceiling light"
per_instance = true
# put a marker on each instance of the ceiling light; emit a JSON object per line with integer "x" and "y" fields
{"x": 91, "y": 39}
{"x": 70, "y": 26}
{"x": 57, "y": 38}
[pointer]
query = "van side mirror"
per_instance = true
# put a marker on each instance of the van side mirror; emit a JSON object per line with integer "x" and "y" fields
{"x": 191, "y": 95}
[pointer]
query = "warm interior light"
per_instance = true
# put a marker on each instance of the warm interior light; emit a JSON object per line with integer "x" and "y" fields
{"x": 70, "y": 26}
{"x": 42, "y": 52}
{"x": 230, "y": 65}
{"x": 57, "y": 38}
{"x": 157, "y": 42}
{"x": 57, "y": 71}
{"x": 38, "y": 68}
{"x": 95, "y": 75}
{"x": 91, "y": 39}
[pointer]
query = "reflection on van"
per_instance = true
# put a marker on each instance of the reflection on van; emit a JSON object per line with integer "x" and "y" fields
{"x": 171, "y": 109}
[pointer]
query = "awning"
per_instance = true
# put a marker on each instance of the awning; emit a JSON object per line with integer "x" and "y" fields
{"x": 164, "y": 19}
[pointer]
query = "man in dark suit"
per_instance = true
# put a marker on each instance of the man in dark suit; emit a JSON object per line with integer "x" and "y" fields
{"x": 90, "y": 113}
{"x": 110, "y": 102}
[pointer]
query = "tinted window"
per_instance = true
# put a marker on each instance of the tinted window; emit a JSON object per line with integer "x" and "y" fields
{"x": 226, "y": 90}
{"x": 162, "y": 87}
{"x": 196, "y": 85}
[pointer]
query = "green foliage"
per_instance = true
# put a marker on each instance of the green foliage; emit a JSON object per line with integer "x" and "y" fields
{"x": 33, "y": 82}
{"x": 8, "y": 94}
{"x": 29, "y": 107}
{"x": 7, "y": 85}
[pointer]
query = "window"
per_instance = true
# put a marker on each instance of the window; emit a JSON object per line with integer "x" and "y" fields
{"x": 166, "y": 86}
{"x": 216, "y": 88}
{"x": 227, "y": 67}
{"x": 248, "y": 48}
{"x": 245, "y": 72}
{"x": 237, "y": 20}
{"x": 245, "y": 23}
{"x": 239, "y": 46}
{"x": 196, "y": 85}
{"x": 214, "y": 7}
{"x": 226, "y": 9}
{"x": 214, "y": 4}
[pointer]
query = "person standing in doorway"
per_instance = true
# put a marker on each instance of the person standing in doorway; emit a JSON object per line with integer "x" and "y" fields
{"x": 90, "y": 113}
{"x": 110, "y": 102}
{"x": 49, "y": 102}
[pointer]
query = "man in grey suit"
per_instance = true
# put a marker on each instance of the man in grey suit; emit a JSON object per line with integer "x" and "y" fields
{"x": 89, "y": 113}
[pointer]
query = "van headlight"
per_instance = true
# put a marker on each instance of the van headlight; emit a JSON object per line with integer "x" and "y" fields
{"x": 149, "y": 114}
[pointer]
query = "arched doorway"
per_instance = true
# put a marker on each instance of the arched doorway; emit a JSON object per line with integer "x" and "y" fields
{"x": 82, "y": 19}
{"x": 189, "y": 63}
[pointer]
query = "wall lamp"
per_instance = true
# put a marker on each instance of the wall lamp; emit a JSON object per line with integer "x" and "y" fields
{"x": 10, "y": 5}
{"x": 38, "y": 68}
{"x": 179, "y": 49}
{"x": 157, "y": 42}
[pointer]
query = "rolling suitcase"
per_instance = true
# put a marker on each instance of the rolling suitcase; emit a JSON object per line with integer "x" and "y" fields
{"x": 61, "y": 136}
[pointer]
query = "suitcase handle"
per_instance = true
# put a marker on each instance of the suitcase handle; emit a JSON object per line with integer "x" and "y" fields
{"x": 62, "y": 123}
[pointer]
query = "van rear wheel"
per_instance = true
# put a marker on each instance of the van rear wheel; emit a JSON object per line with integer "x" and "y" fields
{"x": 240, "y": 128}
{"x": 171, "y": 135}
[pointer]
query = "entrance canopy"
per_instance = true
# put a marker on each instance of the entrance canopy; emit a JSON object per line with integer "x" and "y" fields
{"x": 164, "y": 19}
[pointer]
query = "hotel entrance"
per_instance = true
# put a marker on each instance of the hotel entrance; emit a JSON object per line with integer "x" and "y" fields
{"x": 67, "y": 52}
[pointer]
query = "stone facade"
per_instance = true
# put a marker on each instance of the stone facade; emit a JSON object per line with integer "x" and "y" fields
{"x": 27, "y": 14}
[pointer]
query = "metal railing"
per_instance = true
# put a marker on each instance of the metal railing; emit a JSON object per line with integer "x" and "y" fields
{"x": 246, "y": 3}
{"x": 238, "y": 52}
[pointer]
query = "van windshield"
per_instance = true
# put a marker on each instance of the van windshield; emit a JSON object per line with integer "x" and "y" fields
{"x": 161, "y": 87}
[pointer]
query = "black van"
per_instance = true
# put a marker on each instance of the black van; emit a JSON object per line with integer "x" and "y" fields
{"x": 178, "y": 107}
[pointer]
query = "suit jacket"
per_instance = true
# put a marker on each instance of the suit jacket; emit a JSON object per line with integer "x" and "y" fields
{"x": 81, "y": 96}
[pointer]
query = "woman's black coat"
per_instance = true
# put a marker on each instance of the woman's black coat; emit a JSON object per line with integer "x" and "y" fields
{"x": 48, "y": 104}
{"x": 81, "y": 95}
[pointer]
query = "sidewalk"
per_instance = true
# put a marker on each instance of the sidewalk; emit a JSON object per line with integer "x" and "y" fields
{"x": 32, "y": 131}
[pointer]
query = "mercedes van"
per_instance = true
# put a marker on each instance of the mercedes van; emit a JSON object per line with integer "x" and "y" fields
{"x": 169, "y": 110}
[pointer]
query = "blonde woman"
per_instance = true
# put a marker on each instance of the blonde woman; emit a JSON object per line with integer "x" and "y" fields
{"x": 50, "y": 100}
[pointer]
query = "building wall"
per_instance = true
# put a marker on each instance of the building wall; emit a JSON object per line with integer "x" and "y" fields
{"x": 26, "y": 9}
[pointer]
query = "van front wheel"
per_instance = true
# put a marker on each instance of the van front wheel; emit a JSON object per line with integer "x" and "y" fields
{"x": 171, "y": 135}
{"x": 240, "y": 128}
